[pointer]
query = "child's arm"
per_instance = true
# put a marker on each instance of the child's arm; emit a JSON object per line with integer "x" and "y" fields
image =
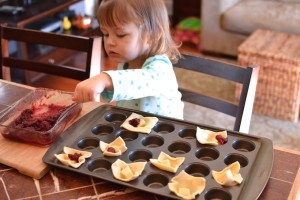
{"x": 90, "y": 89}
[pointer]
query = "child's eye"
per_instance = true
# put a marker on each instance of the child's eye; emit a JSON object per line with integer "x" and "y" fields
{"x": 121, "y": 35}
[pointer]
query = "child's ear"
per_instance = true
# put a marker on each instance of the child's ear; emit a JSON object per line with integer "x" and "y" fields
{"x": 152, "y": 38}
{"x": 147, "y": 43}
{"x": 147, "y": 38}
{"x": 157, "y": 36}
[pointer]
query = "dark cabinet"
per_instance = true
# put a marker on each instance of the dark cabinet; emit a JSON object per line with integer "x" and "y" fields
{"x": 185, "y": 8}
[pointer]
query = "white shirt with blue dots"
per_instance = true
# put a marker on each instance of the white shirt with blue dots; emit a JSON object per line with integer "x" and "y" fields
{"x": 153, "y": 88}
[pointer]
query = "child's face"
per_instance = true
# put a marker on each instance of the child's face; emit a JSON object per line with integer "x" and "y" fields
{"x": 123, "y": 44}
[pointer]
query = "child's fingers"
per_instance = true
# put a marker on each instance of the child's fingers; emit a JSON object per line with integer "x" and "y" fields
{"x": 96, "y": 97}
{"x": 75, "y": 97}
{"x": 86, "y": 96}
{"x": 80, "y": 96}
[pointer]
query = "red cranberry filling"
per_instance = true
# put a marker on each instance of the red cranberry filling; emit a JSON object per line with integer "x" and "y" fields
{"x": 221, "y": 139}
{"x": 39, "y": 122}
{"x": 75, "y": 157}
{"x": 134, "y": 122}
{"x": 111, "y": 149}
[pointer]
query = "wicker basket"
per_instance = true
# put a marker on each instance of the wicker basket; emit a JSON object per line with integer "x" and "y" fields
{"x": 278, "y": 88}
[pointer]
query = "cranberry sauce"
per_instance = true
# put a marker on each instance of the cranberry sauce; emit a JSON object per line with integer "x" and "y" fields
{"x": 31, "y": 120}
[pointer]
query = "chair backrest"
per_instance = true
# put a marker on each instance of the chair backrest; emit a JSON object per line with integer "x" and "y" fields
{"x": 245, "y": 78}
{"x": 89, "y": 46}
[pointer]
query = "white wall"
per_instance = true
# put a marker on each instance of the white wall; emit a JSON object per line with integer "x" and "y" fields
{"x": 91, "y": 7}
{"x": 79, "y": 7}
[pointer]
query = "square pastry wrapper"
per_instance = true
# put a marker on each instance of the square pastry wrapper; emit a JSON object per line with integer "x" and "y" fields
{"x": 145, "y": 126}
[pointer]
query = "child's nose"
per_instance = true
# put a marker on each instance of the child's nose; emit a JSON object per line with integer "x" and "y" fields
{"x": 111, "y": 41}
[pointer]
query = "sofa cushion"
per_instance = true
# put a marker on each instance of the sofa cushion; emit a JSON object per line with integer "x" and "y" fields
{"x": 247, "y": 16}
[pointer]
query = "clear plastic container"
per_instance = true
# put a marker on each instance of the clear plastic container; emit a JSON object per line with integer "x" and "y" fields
{"x": 39, "y": 117}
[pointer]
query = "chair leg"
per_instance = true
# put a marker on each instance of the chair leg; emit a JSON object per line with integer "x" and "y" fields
{"x": 6, "y": 73}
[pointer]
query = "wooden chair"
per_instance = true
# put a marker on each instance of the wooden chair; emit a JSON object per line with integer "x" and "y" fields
{"x": 43, "y": 63}
{"x": 246, "y": 77}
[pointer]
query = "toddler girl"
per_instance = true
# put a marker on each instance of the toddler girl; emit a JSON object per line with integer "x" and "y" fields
{"x": 137, "y": 36}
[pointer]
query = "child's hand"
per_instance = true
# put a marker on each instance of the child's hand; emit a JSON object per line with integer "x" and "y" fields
{"x": 90, "y": 89}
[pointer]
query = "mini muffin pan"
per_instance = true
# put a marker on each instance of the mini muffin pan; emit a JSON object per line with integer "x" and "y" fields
{"x": 175, "y": 137}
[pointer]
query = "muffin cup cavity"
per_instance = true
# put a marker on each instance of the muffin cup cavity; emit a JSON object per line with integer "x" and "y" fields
{"x": 156, "y": 180}
{"x": 102, "y": 129}
{"x": 187, "y": 133}
{"x": 163, "y": 128}
{"x": 140, "y": 155}
{"x": 207, "y": 153}
{"x": 231, "y": 158}
{"x": 99, "y": 165}
{"x": 197, "y": 169}
{"x": 153, "y": 141}
{"x": 127, "y": 135}
{"x": 115, "y": 117}
{"x": 243, "y": 145}
{"x": 217, "y": 193}
{"x": 179, "y": 147}
{"x": 88, "y": 143}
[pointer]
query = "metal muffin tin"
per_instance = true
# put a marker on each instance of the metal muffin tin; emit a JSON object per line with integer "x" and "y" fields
{"x": 174, "y": 137}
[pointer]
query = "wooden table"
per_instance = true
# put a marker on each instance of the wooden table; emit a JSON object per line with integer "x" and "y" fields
{"x": 284, "y": 182}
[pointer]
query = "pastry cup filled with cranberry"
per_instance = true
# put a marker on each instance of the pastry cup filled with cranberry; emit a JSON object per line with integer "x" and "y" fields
{"x": 39, "y": 117}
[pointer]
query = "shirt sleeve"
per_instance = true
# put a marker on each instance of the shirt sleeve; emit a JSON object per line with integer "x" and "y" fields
{"x": 137, "y": 83}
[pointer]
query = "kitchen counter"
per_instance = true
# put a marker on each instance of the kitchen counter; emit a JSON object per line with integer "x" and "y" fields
{"x": 34, "y": 12}
{"x": 284, "y": 181}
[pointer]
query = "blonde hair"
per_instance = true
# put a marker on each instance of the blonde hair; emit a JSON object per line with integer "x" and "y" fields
{"x": 149, "y": 15}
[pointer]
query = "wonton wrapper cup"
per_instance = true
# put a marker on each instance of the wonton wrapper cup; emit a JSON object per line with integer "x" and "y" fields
{"x": 127, "y": 172}
{"x": 118, "y": 144}
{"x": 209, "y": 137}
{"x": 64, "y": 159}
{"x": 187, "y": 186}
{"x": 38, "y": 97}
{"x": 167, "y": 163}
{"x": 229, "y": 176}
{"x": 147, "y": 124}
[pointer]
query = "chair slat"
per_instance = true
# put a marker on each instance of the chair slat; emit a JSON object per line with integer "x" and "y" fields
{"x": 37, "y": 37}
{"x": 90, "y": 46}
{"x": 47, "y": 68}
{"x": 209, "y": 102}
{"x": 218, "y": 69}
